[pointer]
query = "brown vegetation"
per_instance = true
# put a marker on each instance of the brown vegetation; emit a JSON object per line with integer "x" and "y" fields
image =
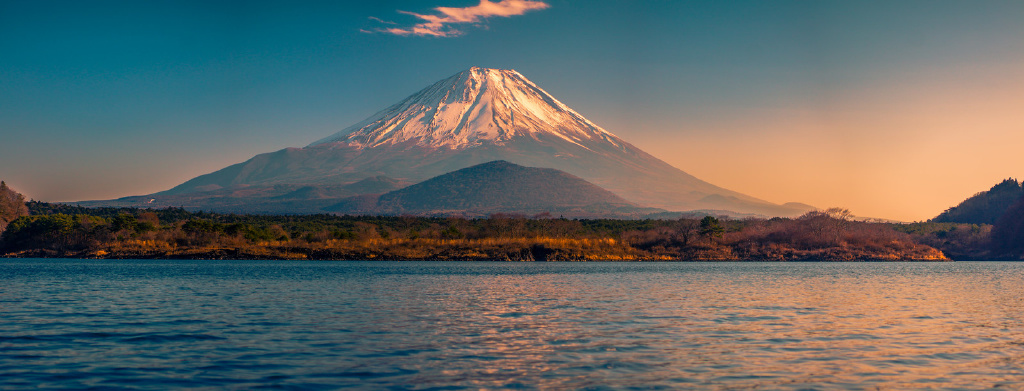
{"x": 12, "y": 205}
{"x": 58, "y": 231}
{"x": 823, "y": 236}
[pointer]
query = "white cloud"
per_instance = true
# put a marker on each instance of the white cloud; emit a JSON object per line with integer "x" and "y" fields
{"x": 445, "y": 22}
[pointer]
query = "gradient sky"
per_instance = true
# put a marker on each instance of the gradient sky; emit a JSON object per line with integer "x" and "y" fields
{"x": 893, "y": 109}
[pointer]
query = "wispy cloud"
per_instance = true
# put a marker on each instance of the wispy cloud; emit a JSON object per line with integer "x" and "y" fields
{"x": 379, "y": 20}
{"x": 445, "y": 23}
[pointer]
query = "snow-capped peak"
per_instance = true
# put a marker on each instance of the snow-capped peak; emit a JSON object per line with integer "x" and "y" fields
{"x": 473, "y": 107}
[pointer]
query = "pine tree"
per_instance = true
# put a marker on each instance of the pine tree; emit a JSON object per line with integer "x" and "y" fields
{"x": 709, "y": 226}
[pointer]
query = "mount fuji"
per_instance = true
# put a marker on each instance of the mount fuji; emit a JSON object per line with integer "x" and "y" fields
{"x": 475, "y": 116}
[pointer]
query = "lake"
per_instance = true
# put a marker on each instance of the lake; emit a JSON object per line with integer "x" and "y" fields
{"x": 134, "y": 324}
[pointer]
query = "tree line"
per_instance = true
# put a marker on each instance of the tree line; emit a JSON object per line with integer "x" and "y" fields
{"x": 62, "y": 230}
{"x": 58, "y": 230}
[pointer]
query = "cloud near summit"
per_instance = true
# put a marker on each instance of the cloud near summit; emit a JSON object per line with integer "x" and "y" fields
{"x": 445, "y": 22}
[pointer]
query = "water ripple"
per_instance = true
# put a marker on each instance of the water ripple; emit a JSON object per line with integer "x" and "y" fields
{"x": 137, "y": 325}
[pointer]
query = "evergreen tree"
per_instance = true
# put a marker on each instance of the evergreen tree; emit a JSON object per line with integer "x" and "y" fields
{"x": 710, "y": 226}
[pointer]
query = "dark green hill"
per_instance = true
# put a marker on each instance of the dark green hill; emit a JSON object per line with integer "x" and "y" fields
{"x": 497, "y": 187}
{"x": 1008, "y": 233}
{"x": 985, "y": 207}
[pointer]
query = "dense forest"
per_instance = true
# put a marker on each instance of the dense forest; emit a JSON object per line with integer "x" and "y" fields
{"x": 39, "y": 229}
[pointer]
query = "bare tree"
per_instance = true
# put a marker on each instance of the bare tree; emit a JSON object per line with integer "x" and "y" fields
{"x": 840, "y": 221}
{"x": 12, "y": 205}
{"x": 686, "y": 230}
{"x": 827, "y": 226}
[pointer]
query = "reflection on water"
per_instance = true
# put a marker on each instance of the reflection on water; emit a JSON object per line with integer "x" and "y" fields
{"x": 160, "y": 324}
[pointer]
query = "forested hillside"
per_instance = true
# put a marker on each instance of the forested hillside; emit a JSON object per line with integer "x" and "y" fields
{"x": 985, "y": 207}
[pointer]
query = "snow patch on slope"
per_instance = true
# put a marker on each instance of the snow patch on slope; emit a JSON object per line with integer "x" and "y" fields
{"x": 471, "y": 108}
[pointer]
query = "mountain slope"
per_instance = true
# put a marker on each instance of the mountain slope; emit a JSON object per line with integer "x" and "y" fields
{"x": 493, "y": 187}
{"x": 477, "y": 116}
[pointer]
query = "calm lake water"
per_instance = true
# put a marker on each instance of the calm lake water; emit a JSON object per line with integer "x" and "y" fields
{"x": 445, "y": 325}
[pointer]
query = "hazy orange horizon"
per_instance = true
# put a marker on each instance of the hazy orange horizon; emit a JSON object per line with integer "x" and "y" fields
{"x": 904, "y": 150}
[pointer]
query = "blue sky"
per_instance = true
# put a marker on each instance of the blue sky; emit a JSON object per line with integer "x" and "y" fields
{"x": 893, "y": 109}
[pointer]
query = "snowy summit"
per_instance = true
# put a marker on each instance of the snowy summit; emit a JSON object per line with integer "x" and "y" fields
{"x": 474, "y": 107}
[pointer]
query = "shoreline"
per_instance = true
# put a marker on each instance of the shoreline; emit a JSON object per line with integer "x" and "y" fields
{"x": 58, "y": 231}
{"x": 524, "y": 255}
